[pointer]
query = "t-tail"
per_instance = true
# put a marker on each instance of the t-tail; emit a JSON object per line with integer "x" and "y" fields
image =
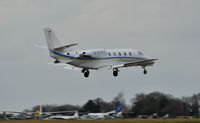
{"x": 76, "y": 115}
{"x": 118, "y": 107}
{"x": 118, "y": 110}
{"x": 54, "y": 45}
{"x": 52, "y": 40}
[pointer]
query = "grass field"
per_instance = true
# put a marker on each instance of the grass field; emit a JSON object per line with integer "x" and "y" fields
{"x": 108, "y": 121}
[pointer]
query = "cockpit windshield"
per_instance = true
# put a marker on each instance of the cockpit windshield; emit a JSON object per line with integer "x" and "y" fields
{"x": 140, "y": 53}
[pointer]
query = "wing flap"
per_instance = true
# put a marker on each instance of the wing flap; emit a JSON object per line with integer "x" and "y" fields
{"x": 110, "y": 67}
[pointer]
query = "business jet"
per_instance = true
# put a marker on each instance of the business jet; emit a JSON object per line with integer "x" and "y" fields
{"x": 117, "y": 113}
{"x": 95, "y": 59}
{"x": 65, "y": 117}
{"x": 39, "y": 114}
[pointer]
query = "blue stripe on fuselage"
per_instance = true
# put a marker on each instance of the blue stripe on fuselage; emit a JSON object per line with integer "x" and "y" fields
{"x": 60, "y": 54}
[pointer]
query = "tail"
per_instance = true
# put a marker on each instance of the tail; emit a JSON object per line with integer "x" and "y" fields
{"x": 118, "y": 107}
{"x": 52, "y": 40}
{"x": 53, "y": 43}
{"x": 76, "y": 115}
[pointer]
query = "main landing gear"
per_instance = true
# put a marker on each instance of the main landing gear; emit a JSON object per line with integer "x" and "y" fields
{"x": 115, "y": 72}
{"x": 86, "y": 73}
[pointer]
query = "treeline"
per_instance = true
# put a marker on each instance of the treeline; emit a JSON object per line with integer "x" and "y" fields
{"x": 141, "y": 104}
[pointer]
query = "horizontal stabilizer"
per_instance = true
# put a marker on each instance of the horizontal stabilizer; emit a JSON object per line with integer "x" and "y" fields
{"x": 65, "y": 47}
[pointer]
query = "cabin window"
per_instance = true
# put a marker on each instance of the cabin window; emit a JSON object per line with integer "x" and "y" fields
{"x": 120, "y": 54}
{"x": 124, "y": 53}
{"x": 114, "y": 54}
{"x": 130, "y": 53}
{"x": 109, "y": 54}
{"x": 99, "y": 53}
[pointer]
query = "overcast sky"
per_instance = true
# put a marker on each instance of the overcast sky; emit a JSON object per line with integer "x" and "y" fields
{"x": 165, "y": 29}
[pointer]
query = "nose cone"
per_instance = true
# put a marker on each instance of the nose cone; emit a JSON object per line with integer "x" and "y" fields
{"x": 149, "y": 58}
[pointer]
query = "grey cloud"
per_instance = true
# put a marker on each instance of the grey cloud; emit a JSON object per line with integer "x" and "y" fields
{"x": 167, "y": 30}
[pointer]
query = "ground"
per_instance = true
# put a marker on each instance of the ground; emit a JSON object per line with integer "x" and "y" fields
{"x": 178, "y": 120}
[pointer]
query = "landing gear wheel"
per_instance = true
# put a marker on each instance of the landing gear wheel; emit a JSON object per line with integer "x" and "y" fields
{"x": 115, "y": 73}
{"x": 83, "y": 70}
{"x": 86, "y": 74}
{"x": 145, "y": 71}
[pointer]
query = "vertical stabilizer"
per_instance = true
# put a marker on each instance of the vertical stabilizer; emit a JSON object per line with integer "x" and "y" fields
{"x": 52, "y": 40}
{"x": 118, "y": 110}
{"x": 118, "y": 107}
{"x": 40, "y": 109}
{"x": 76, "y": 115}
{"x": 40, "y": 112}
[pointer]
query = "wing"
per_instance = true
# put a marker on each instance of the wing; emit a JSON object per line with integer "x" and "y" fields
{"x": 19, "y": 112}
{"x": 148, "y": 62}
{"x": 56, "y": 112}
{"x": 67, "y": 66}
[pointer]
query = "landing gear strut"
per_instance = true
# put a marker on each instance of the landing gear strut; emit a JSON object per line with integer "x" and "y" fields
{"x": 145, "y": 71}
{"x": 115, "y": 72}
{"x": 86, "y": 72}
{"x": 83, "y": 71}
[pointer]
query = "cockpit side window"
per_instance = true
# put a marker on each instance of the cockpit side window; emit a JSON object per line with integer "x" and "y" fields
{"x": 140, "y": 53}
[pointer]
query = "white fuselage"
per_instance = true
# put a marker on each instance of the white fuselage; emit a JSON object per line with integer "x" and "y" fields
{"x": 110, "y": 114}
{"x": 97, "y": 58}
{"x": 65, "y": 117}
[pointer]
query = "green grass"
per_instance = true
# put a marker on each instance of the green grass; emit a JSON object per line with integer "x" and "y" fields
{"x": 177, "y": 120}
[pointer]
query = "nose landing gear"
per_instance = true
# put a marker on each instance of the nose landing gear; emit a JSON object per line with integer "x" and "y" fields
{"x": 86, "y": 74}
{"x": 115, "y": 72}
{"x": 145, "y": 71}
